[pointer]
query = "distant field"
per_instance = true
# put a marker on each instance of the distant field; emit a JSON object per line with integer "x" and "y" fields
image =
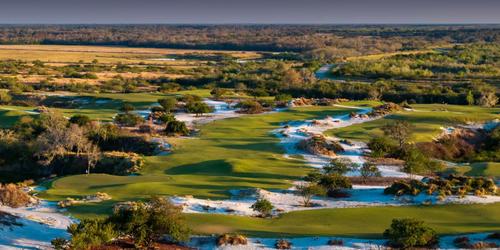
{"x": 428, "y": 120}
{"x": 104, "y": 54}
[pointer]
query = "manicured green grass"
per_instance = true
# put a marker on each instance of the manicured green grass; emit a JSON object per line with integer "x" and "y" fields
{"x": 9, "y": 115}
{"x": 365, "y": 222}
{"x": 427, "y": 119}
{"x": 489, "y": 169}
{"x": 228, "y": 154}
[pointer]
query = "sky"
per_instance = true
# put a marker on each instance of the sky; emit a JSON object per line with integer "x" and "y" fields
{"x": 250, "y": 11}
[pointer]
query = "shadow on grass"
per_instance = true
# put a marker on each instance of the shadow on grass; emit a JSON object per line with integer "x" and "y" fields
{"x": 220, "y": 168}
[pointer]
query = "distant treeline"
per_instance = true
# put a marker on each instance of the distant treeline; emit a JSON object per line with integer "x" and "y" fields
{"x": 327, "y": 42}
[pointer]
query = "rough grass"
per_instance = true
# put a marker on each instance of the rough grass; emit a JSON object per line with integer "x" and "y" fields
{"x": 428, "y": 120}
{"x": 367, "y": 222}
{"x": 104, "y": 54}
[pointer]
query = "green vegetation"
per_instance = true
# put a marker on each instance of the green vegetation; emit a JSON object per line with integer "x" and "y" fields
{"x": 462, "y": 61}
{"x": 367, "y": 222}
{"x": 426, "y": 119}
{"x": 408, "y": 233}
{"x": 229, "y": 154}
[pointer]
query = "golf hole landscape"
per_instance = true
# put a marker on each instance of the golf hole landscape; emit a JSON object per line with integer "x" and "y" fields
{"x": 249, "y": 137}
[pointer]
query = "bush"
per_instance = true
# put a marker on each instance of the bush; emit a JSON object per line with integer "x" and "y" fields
{"x": 283, "y": 244}
{"x": 5, "y": 98}
{"x": 250, "y": 107}
{"x": 90, "y": 233}
{"x": 13, "y": 196}
{"x": 263, "y": 206}
{"x": 381, "y": 146}
{"x": 407, "y": 233}
{"x": 231, "y": 239}
{"x": 148, "y": 223}
{"x": 168, "y": 103}
{"x": 177, "y": 128}
{"x": 198, "y": 108}
{"x": 334, "y": 183}
{"x": 128, "y": 120}
{"x": 81, "y": 120}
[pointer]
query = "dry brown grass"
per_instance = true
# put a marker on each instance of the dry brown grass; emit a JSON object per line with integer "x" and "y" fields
{"x": 104, "y": 54}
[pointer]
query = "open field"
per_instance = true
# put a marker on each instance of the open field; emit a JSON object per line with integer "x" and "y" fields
{"x": 104, "y": 54}
{"x": 353, "y": 222}
{"x": 428, "y": 120}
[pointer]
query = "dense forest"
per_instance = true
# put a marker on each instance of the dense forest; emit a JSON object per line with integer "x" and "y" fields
{"x": 476, "y": 61}
{"x": 326, "y": 42}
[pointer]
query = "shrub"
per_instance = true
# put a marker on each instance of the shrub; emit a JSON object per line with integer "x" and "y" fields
{"x": 176, "y": 128}
{"x": 90, "y": 233}
{"x": 168, "y": 103}
{"x": 263, "y": 206}
{"x": 334, "y": 183}
{"x": 250, "y": 107}
{"x": 166, "y": 118}
{"x": 5, "y": 98}
{"x": 13, "y": 196}
{"x": 232, "y": 239}
{"x": 308, "y": 191}
{"x": 127, "y": 107}
{"x": 81, "y": 120}
{"x": 128, "y": 120}
{"x": 407, "y": 233}
{"x": 381, "y": 146}
{"x": 283, "y": 244}
{"x": 335, "y": 242}
{"x": 339, "y": 166}
{"x": 147, "y": 223}
{"x": 198, "y": 108}
{"x": 369, "y": 170}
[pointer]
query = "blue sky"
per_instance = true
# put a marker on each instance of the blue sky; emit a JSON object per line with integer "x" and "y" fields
{"x": 249, "y": 11}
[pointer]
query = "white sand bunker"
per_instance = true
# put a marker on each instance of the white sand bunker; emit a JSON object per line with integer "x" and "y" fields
{"x": 288, "y": 200}
{"x": 34, "y": 227}
{"x": 295, "y": 132}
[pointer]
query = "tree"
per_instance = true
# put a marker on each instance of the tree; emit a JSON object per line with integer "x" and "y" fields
{"x": 263, "y": 206}
{"x": 128, "y": 119}
{"x": 250, "y": 107}
{"x": 217, "y": 93}
{"x": 409, "y": 233}
{"x": 400, "y": 131}
{"x": 168, "y": 103}
{"x": 166, "y": 118}
{"x": 381, "y": 146}
{"x": 488, "y": 99}
{"x": 5, "y": 98}
{"x": 81, "y": 120}
{"x": 333, "y": 183}
{"x": 470, "y": 98}
{"x": 93, "y": 155}
{"x": 369, "y": 170}
{"x": 148, "y": 223}
{"x": 127, "y": 108}
{"x": 307, "y": 191}
{"x": 339, "y": 166}
{"x": 417, "y": 162}
{"x": 176, "y": 128}
{"x": 198, "y": 108}
{"x": 87, "y": 234}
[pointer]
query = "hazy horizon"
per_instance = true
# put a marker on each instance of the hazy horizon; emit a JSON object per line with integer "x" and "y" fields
{"x": 250, "y": 12}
